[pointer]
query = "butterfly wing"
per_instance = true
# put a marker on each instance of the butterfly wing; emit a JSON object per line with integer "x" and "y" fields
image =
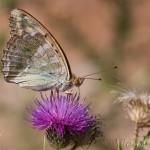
{"x": 32, "y": 57}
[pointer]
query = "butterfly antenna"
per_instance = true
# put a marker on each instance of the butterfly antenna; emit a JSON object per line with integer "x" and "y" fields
{"x": 115, "y": 67}
{"x": 94, "y": 79}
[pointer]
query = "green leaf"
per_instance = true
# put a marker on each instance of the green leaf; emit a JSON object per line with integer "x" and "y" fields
{"x": 143, "y": 142}
{"x": 119, "y": 145}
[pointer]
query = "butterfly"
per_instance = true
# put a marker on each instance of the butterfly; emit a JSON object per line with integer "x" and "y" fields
{"x": 33, "y": 58}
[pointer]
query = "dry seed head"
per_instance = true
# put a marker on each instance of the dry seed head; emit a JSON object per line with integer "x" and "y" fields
{"x": 137, "y": 106}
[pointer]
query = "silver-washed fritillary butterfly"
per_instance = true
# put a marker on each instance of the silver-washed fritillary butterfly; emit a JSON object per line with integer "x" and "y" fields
{"x": 33, "y": 58}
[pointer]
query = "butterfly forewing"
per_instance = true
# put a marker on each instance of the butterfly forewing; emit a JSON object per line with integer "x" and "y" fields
{"x": 32, "y": 57}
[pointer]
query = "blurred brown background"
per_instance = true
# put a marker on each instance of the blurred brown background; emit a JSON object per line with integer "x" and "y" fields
{"x": 95, "y": 35}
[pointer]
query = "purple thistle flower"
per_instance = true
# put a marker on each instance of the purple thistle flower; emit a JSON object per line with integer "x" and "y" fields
{"x": 60, "y": 112}
{"x": 63, "y": 118}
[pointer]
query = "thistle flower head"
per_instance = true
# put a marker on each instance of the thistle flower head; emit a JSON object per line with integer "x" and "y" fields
{"x": 63, "y": 118}
{"x": 137, "y": 106}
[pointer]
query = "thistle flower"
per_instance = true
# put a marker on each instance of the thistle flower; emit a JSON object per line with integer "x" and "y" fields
{"x": 137, "y": 106}
{"x": 63, "y": 118}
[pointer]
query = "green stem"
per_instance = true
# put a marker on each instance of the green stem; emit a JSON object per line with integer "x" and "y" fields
{"x": 44, "y": 144}
{"x": 136, "y": 135}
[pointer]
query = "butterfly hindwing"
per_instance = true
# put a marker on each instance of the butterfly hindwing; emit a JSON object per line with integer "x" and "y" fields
{"x": 32, "y": 57}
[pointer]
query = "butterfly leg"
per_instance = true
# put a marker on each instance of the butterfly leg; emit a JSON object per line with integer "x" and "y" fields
{"x": 79, "y": 91}
{"x": 55, "y": 91}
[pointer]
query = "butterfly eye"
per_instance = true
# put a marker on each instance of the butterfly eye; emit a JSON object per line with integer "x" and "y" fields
{"x": 56, "y": 51}
{"x": 46, "y": 35}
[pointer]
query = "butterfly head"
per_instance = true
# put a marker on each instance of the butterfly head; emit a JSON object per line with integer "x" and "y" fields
{"x": 77, "y": 81}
